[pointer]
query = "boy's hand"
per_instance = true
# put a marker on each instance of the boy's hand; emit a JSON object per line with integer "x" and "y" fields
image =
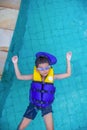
{"x": 15, "y": 59}
{"x": 69, "y": 55}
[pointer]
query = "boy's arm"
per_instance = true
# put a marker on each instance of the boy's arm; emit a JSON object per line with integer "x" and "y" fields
{"x": 68, "y": 72}
{"x": 17, "y": 72}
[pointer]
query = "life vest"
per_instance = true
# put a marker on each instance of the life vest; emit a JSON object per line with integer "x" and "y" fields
{"x": 42, "y": 93}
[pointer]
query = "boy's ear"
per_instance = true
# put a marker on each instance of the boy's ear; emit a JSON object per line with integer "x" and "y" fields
{"x": 35, "y": 68}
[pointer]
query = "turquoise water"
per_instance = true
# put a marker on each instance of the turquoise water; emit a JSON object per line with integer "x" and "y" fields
{"x": 54, "y": 26}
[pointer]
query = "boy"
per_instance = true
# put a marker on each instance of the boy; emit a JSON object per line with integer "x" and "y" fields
{"x": 42, "y": 88}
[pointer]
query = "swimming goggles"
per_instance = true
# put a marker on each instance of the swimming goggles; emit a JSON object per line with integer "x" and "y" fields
{"x": 42, "y": 69}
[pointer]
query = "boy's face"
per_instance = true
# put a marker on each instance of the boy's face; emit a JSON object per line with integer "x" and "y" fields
{"x": 43, "y": 69}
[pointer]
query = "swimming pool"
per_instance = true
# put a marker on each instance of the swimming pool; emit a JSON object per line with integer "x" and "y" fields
{"x": 54, "y": 26}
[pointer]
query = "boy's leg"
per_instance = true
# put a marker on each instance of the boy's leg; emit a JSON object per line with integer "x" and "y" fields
{"x": 29, "y": 115}
{"x": 24, "y": 123}
{"x": 47, "y": 115}
{"x": 49, "y": 121}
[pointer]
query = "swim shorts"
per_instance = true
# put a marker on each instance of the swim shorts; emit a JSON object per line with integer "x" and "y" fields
{"x": 32, "y": 111}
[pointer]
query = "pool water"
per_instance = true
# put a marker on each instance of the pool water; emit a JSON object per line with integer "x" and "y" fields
{"x": 54, "y": 26}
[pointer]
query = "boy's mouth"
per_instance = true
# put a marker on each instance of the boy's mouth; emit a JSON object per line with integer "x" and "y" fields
{"x": 45, "y": 74}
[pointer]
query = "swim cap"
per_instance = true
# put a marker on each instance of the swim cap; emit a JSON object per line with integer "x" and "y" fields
{"x": 51, "y": 58}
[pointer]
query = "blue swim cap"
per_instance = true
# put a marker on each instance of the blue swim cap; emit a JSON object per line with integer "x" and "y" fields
{"x": 51, "y": 58}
